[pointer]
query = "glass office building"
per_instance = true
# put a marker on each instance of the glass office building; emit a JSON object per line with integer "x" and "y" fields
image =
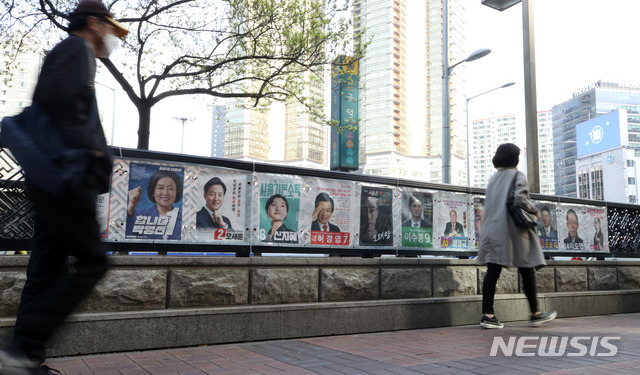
{"x": 246, "y": 133}
{"x": 594, "y": 100}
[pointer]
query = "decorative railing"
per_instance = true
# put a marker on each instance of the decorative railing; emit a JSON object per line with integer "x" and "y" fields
{"x": 265, "y": 208}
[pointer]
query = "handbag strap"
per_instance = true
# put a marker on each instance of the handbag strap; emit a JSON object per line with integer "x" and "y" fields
{"x": 512, "y": 190}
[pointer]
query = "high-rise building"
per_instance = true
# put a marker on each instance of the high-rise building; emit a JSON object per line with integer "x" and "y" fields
{"x": 18, "y": 82}
{"x": 383, "y": 124}
{"x": 433, "y": 57}
{"x": 217, "y": 131}
{"x": 304, "y": 139}
{"x": 611, "y": 175}
{"x": 592, "y": 101}
{"x": 386, "y": 137}
{"x": 606, "y": 168}
{"x": 246, "y": 132}
{"x": 486, "y": 135}
{"x": 545, "y": 152}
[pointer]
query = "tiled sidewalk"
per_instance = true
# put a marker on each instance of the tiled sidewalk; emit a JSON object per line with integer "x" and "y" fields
{"x": 452, "y": 350}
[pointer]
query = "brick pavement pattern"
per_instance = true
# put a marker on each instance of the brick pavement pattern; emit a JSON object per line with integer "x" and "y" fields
{"x": 449, "y": 350}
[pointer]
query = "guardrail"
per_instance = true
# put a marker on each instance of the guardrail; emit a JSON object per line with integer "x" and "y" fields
{"x": 367, "y": 215}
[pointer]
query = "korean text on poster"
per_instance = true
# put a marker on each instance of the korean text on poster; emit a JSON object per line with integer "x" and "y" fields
{"x": 330, "y": 219}
{"x": 597, "y": 222}
{"x": 453, "y": 213}
{"x": 154, "y": 207}
{"x": 222, "y": 214}
{"x": 547, "y": 228}
{"x": 376, "y": 226}
{"x": 280, "y": 205}
{"x": 102, "y": 214}
{"x": 417, "y": 219}
{"x": 573, "y": 227}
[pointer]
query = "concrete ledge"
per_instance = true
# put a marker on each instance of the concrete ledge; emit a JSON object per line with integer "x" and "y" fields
{"x": 92, "y": 333}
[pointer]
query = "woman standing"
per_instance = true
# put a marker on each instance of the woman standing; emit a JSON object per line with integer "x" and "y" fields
{"x": 502, "y": 244}
{"x": 598, "y": 237}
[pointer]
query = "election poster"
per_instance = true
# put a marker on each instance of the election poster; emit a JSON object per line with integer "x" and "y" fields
{"x": 596, "y": 220}
{"x": 220, "y": 204}
{"x": 278, "y": 207}
{"x": 376, "y": 224}
{"x": 116, "y": 202}
{"x": 453, "y": 221}
{"x": 154, "y": 204}
{"x": 478, "y": 211}
{"x": 102, "y": 214}
{"x": 572, "y": 228}
{"x": 417, "y": 218}
{"x": 547, "y": 228}
{"x": 329, "y": 206}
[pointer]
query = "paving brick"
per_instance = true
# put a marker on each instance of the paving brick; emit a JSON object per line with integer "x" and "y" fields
{"x": 450, "y": 350}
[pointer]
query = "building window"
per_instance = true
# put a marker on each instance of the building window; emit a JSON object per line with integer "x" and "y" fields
{"x": 631, "y": 180}
{"x": 631, "y": 163}
{"x": 583, "y": 185}
{"x": 632, "y": 199}
{"x": 597, "y": 184}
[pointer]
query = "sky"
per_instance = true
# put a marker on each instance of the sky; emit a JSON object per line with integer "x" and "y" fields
{"x": 577, "y": 42}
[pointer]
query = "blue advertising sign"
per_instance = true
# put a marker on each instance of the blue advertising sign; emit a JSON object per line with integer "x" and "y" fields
{"x": 602, "y": 133}
{"x": 344, "y": 111}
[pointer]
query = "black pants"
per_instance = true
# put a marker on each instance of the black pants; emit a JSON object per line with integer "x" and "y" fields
{"x": 54, "y": 287}
{"x": 491, "y": 279}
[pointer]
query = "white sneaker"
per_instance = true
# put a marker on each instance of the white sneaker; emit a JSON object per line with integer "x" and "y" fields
{"x": 543, "y": 318}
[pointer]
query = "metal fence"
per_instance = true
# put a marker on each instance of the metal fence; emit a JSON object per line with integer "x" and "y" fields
{"x": 16, "y": 220}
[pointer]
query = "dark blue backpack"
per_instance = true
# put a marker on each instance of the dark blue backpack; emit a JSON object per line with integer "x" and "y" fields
{"x": 38, "y": 148}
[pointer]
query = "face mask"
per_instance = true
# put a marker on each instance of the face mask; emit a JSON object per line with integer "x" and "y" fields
{"x": 110, "y": 42}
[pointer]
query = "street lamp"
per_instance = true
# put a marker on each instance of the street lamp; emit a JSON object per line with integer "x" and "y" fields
{"x": 183, "y": 120}
{"x": 530, "y": 104}
{"x": 446, "y": 73}
{"x": 500, "y": 4}
{"x": 468, "y": 138}
{"x": 113, "y": 110}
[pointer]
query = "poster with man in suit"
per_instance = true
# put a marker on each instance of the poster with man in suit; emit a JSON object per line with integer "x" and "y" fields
{"x": 221, "y": 216}
{"x": 417, "y": 219}
{"x": 454, "y": 221}
{"x": 330, "y": 204}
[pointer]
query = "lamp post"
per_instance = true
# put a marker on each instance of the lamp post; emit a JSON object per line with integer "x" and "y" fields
{"x": 183, "y": 120}
{"x": 531, "y": 116}
{"x": 446, "y": 73}
{"x": 468, "y": 138}
{"x": 113, "y": 110}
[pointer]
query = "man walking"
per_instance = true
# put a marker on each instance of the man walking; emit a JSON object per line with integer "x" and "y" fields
{"x": 65, "y": 225}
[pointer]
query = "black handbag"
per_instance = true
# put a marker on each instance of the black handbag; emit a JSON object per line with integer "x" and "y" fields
{"x": 521, "y": 217}
{"x": 40, "y": 151}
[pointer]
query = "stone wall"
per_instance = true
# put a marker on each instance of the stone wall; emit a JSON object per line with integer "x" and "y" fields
{"x": 159, "y": 302}
{"x": 158, "y": 283}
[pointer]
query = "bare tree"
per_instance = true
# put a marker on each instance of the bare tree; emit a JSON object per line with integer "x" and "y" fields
{"x": 253, "y": 49}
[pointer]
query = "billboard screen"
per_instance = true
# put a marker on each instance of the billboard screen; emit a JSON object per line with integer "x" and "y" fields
{"x": 601, "y": 133}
